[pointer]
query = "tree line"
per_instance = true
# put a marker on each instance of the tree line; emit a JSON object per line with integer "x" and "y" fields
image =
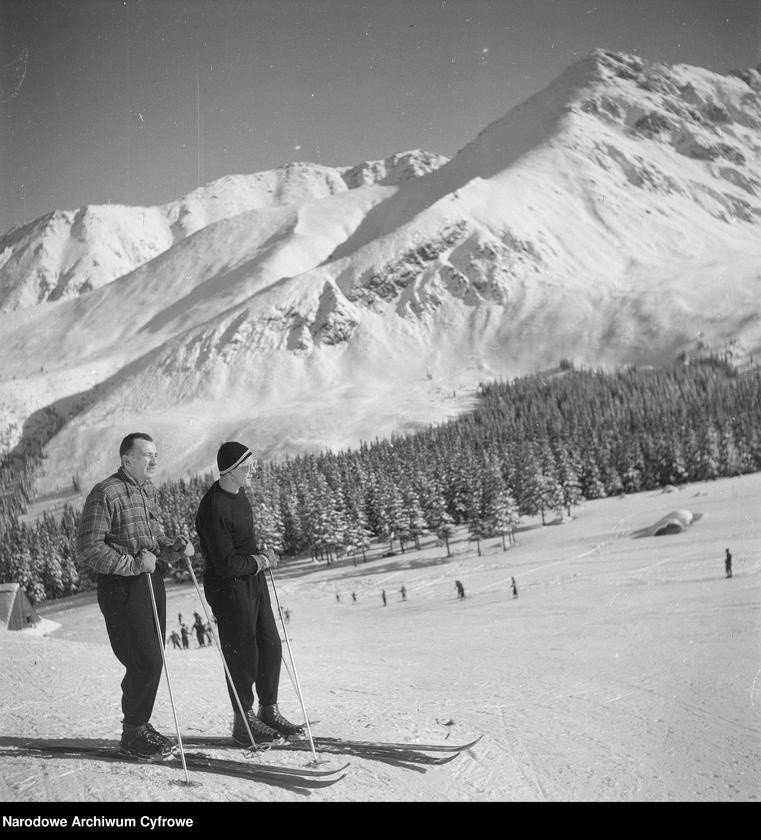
{"x": 534, "y": 446}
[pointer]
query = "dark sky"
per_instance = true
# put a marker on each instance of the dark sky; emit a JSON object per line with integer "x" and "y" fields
{"x": 140, "y": 101}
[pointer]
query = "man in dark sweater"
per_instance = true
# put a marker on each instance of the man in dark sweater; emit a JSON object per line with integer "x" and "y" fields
{"x": 236, "y": 589}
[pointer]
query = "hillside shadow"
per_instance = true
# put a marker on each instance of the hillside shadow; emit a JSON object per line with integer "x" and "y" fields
{"x": 347, "y": 569}
{"x": 496, "y": 148}
{"x": 299, "y": 570}
{"x": 225, "y": 283}
{"x": 44, "y": 424}
{"x": 390, "y": 214}
{"x": 33, "y": 746}
{"x": 392, "y": 565}
{"x": 102, "y": 750}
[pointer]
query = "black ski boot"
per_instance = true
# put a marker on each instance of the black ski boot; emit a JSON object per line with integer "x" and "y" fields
{"x": 144, "y": 743}
{"x": 272, "y": 717}
{"x": 261, "y": 732}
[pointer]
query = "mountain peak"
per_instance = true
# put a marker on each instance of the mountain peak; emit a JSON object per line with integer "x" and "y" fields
{"x": 609, "y": 219}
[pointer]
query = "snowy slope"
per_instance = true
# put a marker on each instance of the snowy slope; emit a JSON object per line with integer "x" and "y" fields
{"x": 625, "y": 671}
{"x": 612, "y": 218}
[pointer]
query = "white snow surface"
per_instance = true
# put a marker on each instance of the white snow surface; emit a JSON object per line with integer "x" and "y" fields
{"x": 627, "y": 670}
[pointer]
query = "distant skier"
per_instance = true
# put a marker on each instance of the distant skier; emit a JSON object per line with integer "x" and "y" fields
{"x": 514, "y": 587}
{"x": 338, "y": 598}
{"x": 460, "y": 590}
{"x": 354, "y": 597}
{"x": 208, "y": 634}
{"x": 185, "y": 633}
{"x": 200, "y": 630}
{"x": 287, "y": 615}
{"x": 403, "y": 590}
{"x": 383, "y": 595}
{"x": 175, "y": 640}
{"x": 728, "y": 564}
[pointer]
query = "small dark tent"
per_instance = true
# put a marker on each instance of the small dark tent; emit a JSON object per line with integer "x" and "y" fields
{"x": 16, "y": 610}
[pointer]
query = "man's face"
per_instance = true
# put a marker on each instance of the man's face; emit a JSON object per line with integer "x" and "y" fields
{"x": 141, "y": 460}
{"x": 241, "y": 475}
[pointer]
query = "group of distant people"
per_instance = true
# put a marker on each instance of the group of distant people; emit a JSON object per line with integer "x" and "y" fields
{"x": 203, "y": 631}
{"x": 403, "y": 592}
{"x": 513, "y": 585}
{"x": 384, "y": 598}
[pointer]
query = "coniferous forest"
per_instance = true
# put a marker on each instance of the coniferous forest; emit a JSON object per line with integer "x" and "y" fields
{"x": 534, "y": 446}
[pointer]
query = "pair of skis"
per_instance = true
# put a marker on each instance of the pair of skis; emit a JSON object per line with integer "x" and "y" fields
{"x": 298, "y": 779}
{"x": 412, "y": 756}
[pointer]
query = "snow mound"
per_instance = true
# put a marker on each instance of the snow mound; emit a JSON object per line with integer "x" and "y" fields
{"x": 672, "y": 523}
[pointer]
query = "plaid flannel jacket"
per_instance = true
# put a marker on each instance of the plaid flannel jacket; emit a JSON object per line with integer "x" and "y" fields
{"x": 119, "y": 518}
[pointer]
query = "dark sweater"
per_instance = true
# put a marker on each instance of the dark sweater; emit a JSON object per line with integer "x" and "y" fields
{"x": 225, "y": 526}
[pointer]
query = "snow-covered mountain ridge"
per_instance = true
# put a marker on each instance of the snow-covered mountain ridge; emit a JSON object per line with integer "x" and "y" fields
{"x": 612, "y": 218}
{"x": 68, "y": 252}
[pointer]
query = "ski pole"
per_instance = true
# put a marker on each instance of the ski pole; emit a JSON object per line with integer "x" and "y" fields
{"x": 189, "y": 552}
{"x": 166, "y": 671}
{"x": 288, "y": 671}
{"x": 293, "y": 665}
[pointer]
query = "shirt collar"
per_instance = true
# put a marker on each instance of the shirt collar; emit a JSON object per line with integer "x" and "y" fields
{"x": 127, "y": 477}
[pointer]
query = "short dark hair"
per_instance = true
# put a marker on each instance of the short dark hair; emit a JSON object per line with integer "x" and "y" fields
{"x": 126, "y": 444}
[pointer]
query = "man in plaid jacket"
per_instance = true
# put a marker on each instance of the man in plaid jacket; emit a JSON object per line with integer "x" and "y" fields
{"x": 121, "y": 538}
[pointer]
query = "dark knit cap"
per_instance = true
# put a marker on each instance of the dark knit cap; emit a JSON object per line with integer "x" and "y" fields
{"x": 231, "y": 454}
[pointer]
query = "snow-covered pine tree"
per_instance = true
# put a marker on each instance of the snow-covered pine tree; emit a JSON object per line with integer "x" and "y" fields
{"x": 445, "y": 530}
{"x": 416, "y": 523}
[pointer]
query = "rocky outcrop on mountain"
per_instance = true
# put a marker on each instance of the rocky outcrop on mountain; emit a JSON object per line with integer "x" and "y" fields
{"x": 700, "y": 115}
{"x": 389, "y": 279}
{"x": 335, "y": 319}
{"x": 393, "y": 170}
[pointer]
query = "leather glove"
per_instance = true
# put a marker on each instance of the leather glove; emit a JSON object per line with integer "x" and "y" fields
{"x": 179, "y": 544}
{"x": 145, "y": 561}
{"x": 184, "y": 546}
{"x": 272, "y": 559}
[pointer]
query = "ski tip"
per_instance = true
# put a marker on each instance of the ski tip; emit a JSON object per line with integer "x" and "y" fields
{"x": 318, "y": 768}
{"x": 337, "y": 769}
{"x": 459, "y": 748}
{"x": 445, "y": 758}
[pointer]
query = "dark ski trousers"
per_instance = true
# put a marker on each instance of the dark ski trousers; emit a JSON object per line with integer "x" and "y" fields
{"x": 126, "y": 605}
{"x": 249, "y": 638}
